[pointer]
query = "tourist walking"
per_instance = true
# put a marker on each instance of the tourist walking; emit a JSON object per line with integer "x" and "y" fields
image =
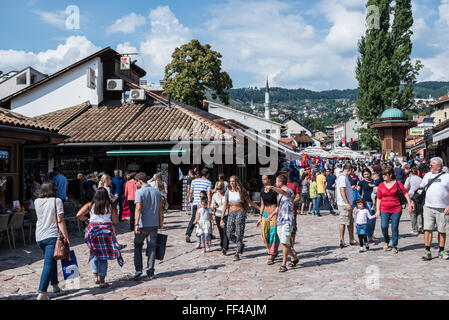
{"x": 313, "y": 194}
{"x": 389, "y": 207}
{"x": 237, "y": 200}
{"x": 362, "y": 215}
{"x": 130, "y": 195}
{"x": 366, "y": 187}
{"x": 204, "y": 226}
{"x": 118, "y": 191}
{"x": 416, "y": 216}
{"x": 285, "y": 221}
{"x": 331, "y": 179}
{"x": 61, "y": 184}
{"x": 90, "y": 187}
{"x": 198, "y": 185}
{"x": 158, "y": 183}
{"x": 293, "y": 185}
{"x": 100, "y": 236}
{"x": 344, "y": 201}
{"x": 50, "y": 218}
{"x": 221, "y": 178}
{"x": 305, "y": 198}
{"x": 218, "y": 211}
{"x": 399, "y": 173}
{"x": 149, "y": 218}
{"x": 436, "y": 207}
{"x": 322, "y": 196}
{"x": 268, "y": 218}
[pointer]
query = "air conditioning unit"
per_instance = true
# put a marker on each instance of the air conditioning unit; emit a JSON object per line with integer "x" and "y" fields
{"x": 137, "y": 94}
{"x": 115, "y": 85}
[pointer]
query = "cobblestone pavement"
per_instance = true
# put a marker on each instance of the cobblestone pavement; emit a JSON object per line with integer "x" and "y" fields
{"x": 325, "y": 271}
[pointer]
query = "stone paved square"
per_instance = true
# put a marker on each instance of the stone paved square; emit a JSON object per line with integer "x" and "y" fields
{"x": 325, "y": 271}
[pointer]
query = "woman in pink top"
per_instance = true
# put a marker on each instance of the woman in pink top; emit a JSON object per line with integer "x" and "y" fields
{"x": 389, "y": 207}
{"x": 130, "y": 194}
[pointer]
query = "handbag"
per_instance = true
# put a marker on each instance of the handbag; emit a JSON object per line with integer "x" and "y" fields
{"x": 70, "y": 268}
{"x": 62, "y": 248}
{"x": 161, "y": 245}
{"x": 419, "y": 196}
{"x": 402, "y": 198}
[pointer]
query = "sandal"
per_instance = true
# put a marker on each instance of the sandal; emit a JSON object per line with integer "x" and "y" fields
{"x": 354, "y": 243}
{"x": 293, "y": 263}
{"x": 96, "y": 280}
{"x": 283, "y": 269}
{"x": 104, "y": 285}
{"x": 270, "y": 260}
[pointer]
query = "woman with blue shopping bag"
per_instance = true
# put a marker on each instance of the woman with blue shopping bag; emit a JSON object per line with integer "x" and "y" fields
{"x": 100, "y": 236}
{"x": 50, "y": 220}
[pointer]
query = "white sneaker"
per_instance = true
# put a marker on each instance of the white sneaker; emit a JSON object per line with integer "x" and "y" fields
{"x": 40, "y": 296}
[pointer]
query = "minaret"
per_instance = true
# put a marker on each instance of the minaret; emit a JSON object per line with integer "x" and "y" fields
{"x": 252, "y": 104}
{"x": 267, "y": 102}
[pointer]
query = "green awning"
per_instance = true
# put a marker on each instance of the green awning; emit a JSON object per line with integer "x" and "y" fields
{"x": 158, "y": 152}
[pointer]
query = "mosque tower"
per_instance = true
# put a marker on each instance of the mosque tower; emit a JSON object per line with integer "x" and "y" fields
{"x": 267, "y": 102}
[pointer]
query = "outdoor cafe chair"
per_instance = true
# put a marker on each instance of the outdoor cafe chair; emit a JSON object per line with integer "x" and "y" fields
{"x": 70, "y": 214}
{"x": 16, "y": 223}
{"x": 33, "y": 221}
{"x": 4, "y": 226}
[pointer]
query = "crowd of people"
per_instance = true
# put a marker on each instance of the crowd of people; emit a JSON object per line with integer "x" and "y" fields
{"x": 361, "y": 192}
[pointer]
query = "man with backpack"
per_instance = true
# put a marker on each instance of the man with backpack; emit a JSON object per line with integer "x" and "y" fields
{"x": 436, "y": 207}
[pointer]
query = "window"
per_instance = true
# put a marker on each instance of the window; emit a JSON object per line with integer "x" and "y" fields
{"x": 5, "y": 159}
{"x": 445, "y": 115}
{"x": 22, "y": 79}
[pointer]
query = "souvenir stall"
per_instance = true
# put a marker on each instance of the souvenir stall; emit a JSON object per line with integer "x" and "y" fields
{"x": 312, "y": 159}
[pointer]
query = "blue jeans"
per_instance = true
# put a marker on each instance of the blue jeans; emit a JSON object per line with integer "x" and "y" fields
{"x": 315, "y": 205}
{"x": 49, "y": 272}
{"x": 395, "y": 218}
{"x": 325, "y": 202}
{"x": 371, "y": 222}
{"x": 99, "y": 267}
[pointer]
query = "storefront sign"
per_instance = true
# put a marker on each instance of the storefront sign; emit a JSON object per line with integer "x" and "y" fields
{"x": 125, "y": 63}
{"x": 417, "y": 132}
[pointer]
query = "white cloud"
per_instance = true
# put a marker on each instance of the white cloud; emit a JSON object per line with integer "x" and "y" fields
{"x": 56, "y": 19}
{"x": 269, "y": 39}
{"x": 127, "y": 24}
{"x": 74, "y": 49}
{"x": 443, "y": 10}
{"x": 165, "y": 35}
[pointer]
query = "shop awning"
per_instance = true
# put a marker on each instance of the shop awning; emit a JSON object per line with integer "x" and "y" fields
{"x": 154, "y": 152}
{"x": 442, "y": 135}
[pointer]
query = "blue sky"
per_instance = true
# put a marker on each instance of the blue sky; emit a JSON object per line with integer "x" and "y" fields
{"x": 307, "y": 44}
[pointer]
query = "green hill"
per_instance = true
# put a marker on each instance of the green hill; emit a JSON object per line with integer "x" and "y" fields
{"x": 423, "y": 90}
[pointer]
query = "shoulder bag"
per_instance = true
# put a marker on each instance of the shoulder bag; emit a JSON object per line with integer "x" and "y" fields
{"x": 420, "y": 197}
{"x": 401, "y": 196}
{"x": 62, "y": 248}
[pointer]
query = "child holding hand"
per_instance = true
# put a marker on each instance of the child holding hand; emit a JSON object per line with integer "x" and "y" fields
{"x": 204, "y": 225}
{"x": 361, "y": 215}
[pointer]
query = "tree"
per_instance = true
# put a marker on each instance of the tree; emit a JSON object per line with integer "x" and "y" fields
{"x": 194, "y": 70}
{"x": 384, "y": 70}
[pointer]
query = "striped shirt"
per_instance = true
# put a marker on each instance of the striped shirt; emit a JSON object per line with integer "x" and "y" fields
{"x": 199, "y": 185}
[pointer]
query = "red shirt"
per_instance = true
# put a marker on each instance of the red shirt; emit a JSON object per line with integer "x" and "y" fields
{"x": 291, "y": 186}
{"x": 389, "y": 197}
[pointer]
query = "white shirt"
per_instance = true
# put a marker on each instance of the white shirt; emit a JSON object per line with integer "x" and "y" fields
{"x": 437, "y": 196}
{"x": 99, "y": 218}
{"x": 154, "y": 185}
{"x": 337, "y": 172}
{"x": 217, "y": 199}
{"x": 343, "y": 181}
{"x": 234, "y": 197}
{"x": 361, "y": 216}
{"x": 46, "y": 219}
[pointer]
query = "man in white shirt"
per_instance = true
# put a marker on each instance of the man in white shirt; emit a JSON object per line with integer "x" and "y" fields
{"x": 436, "y": 207}
{"x": 344, "y": 195}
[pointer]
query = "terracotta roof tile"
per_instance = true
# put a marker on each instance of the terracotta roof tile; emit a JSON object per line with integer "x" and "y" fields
{"x": 113, "y": 124}
{"x": 12, "y": 119}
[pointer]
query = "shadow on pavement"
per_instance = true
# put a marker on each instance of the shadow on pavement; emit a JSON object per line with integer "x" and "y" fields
{"x": 185, "y": 271}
